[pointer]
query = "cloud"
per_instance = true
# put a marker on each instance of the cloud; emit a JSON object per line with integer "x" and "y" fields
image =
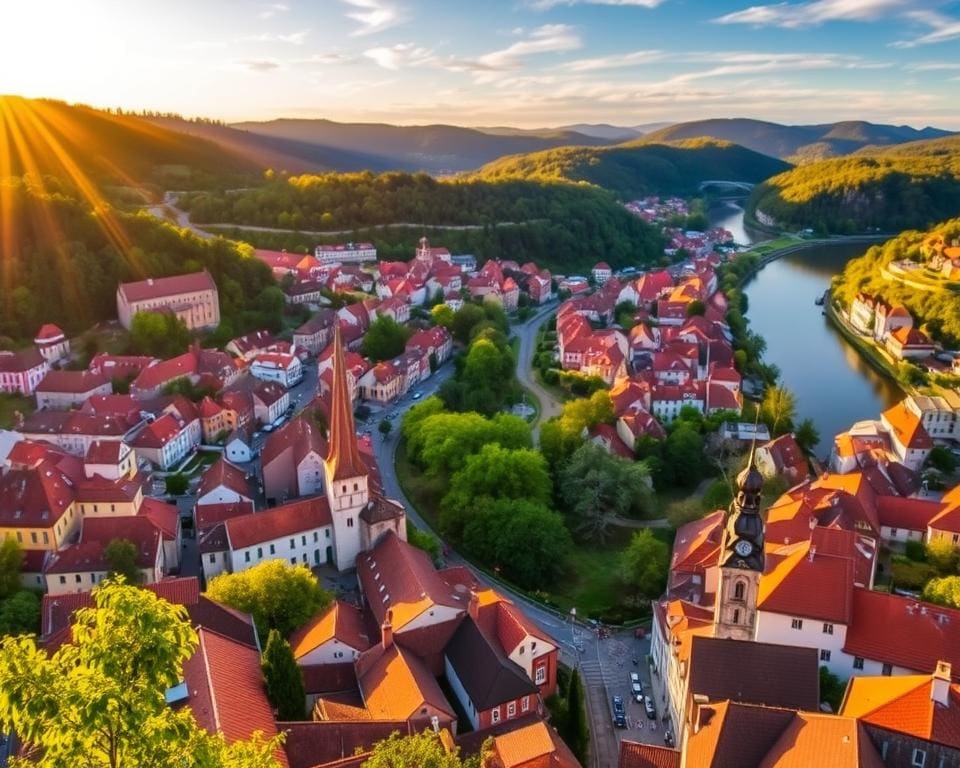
{"x": 548, "y": 38}
{"x": 373, "y": 15}
{"x": 260, "y": 65}
{"x": 400, "y": 56}
{"x": 293, "y": 38}
{"x": 542, "y": 5}
{"x": 813, "y": 13}
{"x": 614, "y": 61}
{"x": 273, "y": 9}
{"x": 330, "y": 57}
{"x": 943, "y": 29}
{"x": 932, "y": 66}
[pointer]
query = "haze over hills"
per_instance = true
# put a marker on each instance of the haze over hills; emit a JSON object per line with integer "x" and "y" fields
{"x": 640, "y": 167}
{"x": 797, "y": 143}
{"x": 614, "y": 132}
{"x": 431, "y": 148}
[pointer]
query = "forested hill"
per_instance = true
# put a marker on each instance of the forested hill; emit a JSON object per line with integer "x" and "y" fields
{"x": 63, "y": 261}
{"x": 639, "y": 167}
{"x": 440, "y": 149}
{"x": 562, "y": 226}
{"x": 797, "y": 143}
{"x": 86, "y": 145}
{"x": 890, "y": 189}
{"x": 937, "y": 310}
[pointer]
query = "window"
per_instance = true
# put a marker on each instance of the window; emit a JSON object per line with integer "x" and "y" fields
{"x": 213, "y": 558}
{"x": 495, "y": 714}
{"x": 525, "y": 704}
{"x": 828, "y": 629}
{"x": 356, "y": 487}
{"x": 326, "y": 532}
{"x": 77, "y": 578}
{"x": 63, "y": 579}
{"x": 293, "y": 561}
{"x": 293, "y": 543}
{"x": 893, "y": 531}
{"x": 796, "y": 624}
{"x": 259, "y": 553}
{"x": 522, "y": 649}
{"x": 857, "y": 662}
{"x": 246, "y": 556}
{"x": 315, "y": 536}
{"x": 349, "y": 522}
{"x": 273, "y": 549}
{"x": 736, "y": 616}
{"x": 824, "y": 655}
{"x": 887, "y": 670}
{"x": 33, "y": 536}
{"x": 541, "y": 674}
{"x": 512, "y": 709}
{"x": 738, "y": 590}
{"x": 303, "y": 540}
{"x": 919, "y": 758}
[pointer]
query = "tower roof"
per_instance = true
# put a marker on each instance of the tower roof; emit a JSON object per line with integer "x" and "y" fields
{"x": 344, "y": 457}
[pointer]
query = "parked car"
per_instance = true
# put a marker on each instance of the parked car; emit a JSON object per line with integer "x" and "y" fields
{"x": 635, "y": 677}
{"x": 637, "y": 690}
{"x": 417, "y": 395}
{"x": 668, "y": 738}
{"x": 619, "y": 714}
{"x": 650, "y": 710}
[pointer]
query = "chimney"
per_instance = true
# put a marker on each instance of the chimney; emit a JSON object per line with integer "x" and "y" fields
{"x": 700, "y": 715}
{"x": 813, "y": 552}
{"x": 435, "y": 723}
{"x": 473, "y": 607}
{"x": 940, "y": 690}
{"x": 386, "y": 630}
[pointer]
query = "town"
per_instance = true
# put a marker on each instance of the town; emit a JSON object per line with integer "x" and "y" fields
{"x": 184, "y": 471}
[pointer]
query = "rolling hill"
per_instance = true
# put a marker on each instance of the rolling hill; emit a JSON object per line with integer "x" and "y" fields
{"x": 440, "y": 149}
{"x": 885, "y": 188}
{"x": 797, "y": 143}
{"x": 80, "y": 144}
{"x": 639, "y": 167}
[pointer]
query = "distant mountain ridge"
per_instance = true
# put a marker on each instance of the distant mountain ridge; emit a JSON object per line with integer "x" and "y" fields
{"x": 798, "y": 143}
{"x": 438, "y": 149}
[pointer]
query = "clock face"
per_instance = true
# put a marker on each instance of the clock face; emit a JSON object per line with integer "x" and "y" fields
{"x": 743, "y": 548}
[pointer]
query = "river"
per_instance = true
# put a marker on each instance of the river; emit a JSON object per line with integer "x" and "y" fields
{"x": 833, "y": 385}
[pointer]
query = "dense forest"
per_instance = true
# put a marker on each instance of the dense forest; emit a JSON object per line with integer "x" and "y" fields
{"x": 937, "y": 310}
{"x": 63, "y": 261}
{"x": 891, "y": 189}
{"x": 639, "y": 167}
{"x": 563, "y": 226}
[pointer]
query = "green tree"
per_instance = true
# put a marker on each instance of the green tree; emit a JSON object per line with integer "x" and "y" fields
{"x": 778, "y": 410}
{"x": 278, "y": 595}
{"x": 807, "y": 435}
{"x": 941, "y": 459}
{"x": 385, "y": 426}
{"x": 177, "y": 485}
{"x": 98, "y": 701}
{"x": 158, "y": 335}
{"x": 422, "y": 750}
{"x": 643, "y": 564}
{"x": 597, "y": 488}
{"x": 560, "y": 437}
{"x": 942, "y": 555}
{"x": 11, "y": 561}
{"x": 385, "y": 339}
{"x": 283, "y": 679}
{"x": 121, "y": 556}
{"x": 944, "y": 590}
{"x": 423, "y": 540}
{"x": 493, "y": 473}
{"x": 443, "y": 316}
{"x": 832, "y": 689}
{"x": 465, "y": 320}
{"x": 683, "y": 452}
{"x": 578, "y": 731}
{"x": 20, "y": 613}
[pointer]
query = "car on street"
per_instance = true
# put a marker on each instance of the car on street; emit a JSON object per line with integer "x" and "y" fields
{"x": 637, "y": 690}
{"x": 417, "y": 395}
{"x": 649, "y": 708}
{"x": 619, "y": 714}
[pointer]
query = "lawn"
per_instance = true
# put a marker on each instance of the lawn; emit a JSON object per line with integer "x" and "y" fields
{"x": 10, "y": 404}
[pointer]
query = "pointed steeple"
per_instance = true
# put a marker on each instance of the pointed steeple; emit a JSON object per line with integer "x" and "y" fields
{"x": 743, "y": 538}
{"x": 344, "y": 460}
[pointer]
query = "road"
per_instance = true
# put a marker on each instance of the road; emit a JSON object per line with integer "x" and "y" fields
{"x": 527, "y": 333}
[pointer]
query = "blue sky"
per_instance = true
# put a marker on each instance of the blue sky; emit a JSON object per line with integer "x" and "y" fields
{"x": 528, "y": 63}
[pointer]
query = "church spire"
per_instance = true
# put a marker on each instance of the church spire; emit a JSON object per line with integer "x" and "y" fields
{"x": 743, "y": 538}
{"x": 343, "y": 459}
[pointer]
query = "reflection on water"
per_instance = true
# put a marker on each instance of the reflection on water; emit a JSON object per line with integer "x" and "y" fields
{"x": 833, "y": 385}
{"x": 729, "y": 215}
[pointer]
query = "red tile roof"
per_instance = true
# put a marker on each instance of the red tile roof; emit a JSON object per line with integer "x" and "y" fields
{"x": 35, "y": 498}
{"x": 633, "y": 754}
{"x": 105, "y": 452}
{"x": 226, "y": 688}
{"x": 279, "y": 522}
{"x": 160, "y": 287}
{"x": 344, "y": 458}
{"x": 72, "y": 382}
{"x": 159, "y": 433}
{"x": 907, "y": 514}
{"x": 341, "y": 621}
{"x": 48, "y": 332}
{"x": 903, "y": 632}
{"x": 206, "y": 515}
{"x": 223, "y": 473}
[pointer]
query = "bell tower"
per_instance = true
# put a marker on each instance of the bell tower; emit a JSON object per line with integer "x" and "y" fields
{"x": 345, "y": 471}
{"x": 741, "y": 559}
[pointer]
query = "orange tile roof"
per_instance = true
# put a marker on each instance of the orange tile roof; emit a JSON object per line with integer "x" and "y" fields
{"x": 396, "y": 685}
{"x": 633, "y": 754}
{"x": 907, "y": 427}
{"x": 905, "y": 704}
{"x": 520, "y": 747}
{"x": 344, "y": 458}
{"x": 949, "y": 519}
{"x": 341, "y": 621}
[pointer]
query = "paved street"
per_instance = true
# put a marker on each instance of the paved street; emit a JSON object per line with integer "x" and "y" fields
{"x": 527, "y": 333}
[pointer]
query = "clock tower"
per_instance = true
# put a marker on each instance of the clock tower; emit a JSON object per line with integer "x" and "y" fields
{"x": 741, "y": 560}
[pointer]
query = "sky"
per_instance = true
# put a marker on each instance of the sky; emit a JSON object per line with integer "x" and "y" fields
{"x": 523, "y": 63}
